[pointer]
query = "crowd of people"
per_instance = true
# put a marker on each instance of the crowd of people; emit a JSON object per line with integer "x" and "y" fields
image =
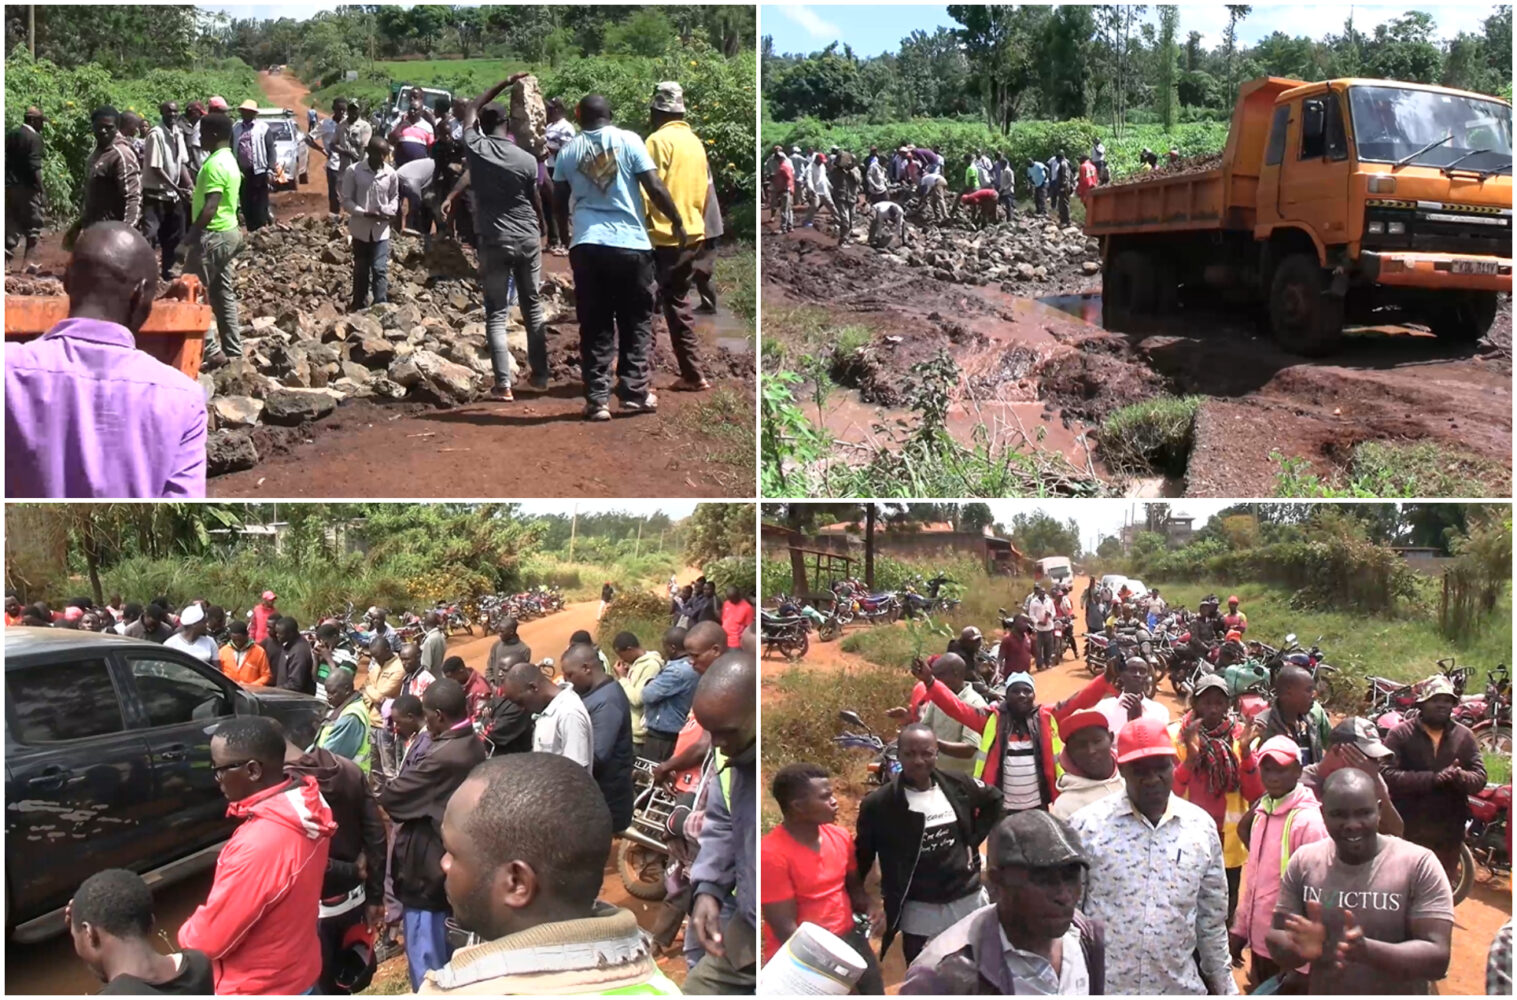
{"x": 462, "y": 816}
{"x": 915, "y": 181}
{"x": 639, "y": 222}
{"x": 1126, "y": 851}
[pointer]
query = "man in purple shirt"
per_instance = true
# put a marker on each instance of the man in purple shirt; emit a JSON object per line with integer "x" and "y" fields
{"x": 86, "y": 413}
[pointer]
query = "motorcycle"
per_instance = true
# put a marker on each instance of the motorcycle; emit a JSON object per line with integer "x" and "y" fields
{"x": 453, "y": 618}
{"x": 1490, "y": 714}
{"x": 642, "y": 855}
{"x": 826, "y": 623}
{"x": 1311, "y": 660}
{"x": 1096, "y": 646}
{"x": 940, "y": 602}
{"x": 885, "y": 765}
{"x": 878, "y": 608}
{"x": 913, "y": 604}
{"x": 790, "y": 634}
{"x": 1487, "y": 839}
{"x": 1064, "y": 637}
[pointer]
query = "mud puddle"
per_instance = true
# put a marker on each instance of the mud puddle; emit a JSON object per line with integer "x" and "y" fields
{"x": 1084, "y": 306}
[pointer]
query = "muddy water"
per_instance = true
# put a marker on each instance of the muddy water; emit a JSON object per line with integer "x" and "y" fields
{"x": 1084, "y": 306}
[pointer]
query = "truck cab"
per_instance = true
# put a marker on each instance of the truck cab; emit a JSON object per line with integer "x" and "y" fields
{"x": 1398, "y": 185}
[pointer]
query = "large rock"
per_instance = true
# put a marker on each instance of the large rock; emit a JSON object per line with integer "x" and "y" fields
{"x": 240, "y": 378}
{"x": 229, "y": 451}
{"x": 373, "y": 352}
{"x": 529, "y": 115}
{"x": 292, "y": 407}
{"x": 236, "y": 411}
{"x": 449, "y": 383}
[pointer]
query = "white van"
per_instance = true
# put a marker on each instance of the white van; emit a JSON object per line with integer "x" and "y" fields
{"x": 1052, "y": 570}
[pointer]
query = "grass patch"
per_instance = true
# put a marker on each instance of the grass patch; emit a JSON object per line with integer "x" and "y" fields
{"x": 736, "y": 278}
{"x": 802, "y": 717}
{"x": 1406, "y": 647}
{"x": 1152, "y": 436}
{"x": 723, "y": 419}
{"x": 1378, "y": 469}
{"x": 1498, "y": 769}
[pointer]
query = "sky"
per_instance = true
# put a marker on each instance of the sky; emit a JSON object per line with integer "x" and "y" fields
{"x": 1099, "y": 518}
{"x": 875, "y": 28}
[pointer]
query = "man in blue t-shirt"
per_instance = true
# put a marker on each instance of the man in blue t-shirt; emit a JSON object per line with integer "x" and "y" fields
{"x": 596, "y": 179}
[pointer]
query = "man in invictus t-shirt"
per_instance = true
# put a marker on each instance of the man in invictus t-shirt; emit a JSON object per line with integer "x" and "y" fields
{"x": 1371, "y": 913}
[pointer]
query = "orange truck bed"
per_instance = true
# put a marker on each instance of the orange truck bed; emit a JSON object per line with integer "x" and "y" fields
{"x": 1223, "y": 198}
{"x": 174, "y": 332}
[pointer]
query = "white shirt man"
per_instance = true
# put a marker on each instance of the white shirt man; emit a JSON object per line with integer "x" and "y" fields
{"x": 1116, "y": 713}
{"x": 164, "y": 159}
{"x": 1041, "y": 609}
{"x": 564, "y": 728}
{"x": 365, "y": 189}
{"x": 203, "y": 648}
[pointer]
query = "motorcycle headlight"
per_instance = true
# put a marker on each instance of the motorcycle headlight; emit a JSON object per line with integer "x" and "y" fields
{"x": 1396, "y": 228}
{"x": 1375, "y": 227}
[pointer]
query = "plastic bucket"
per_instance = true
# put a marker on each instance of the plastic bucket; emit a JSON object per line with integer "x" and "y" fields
{"x": 814, "y": 962}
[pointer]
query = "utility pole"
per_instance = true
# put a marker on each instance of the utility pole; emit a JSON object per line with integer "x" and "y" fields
{"x": 573, "y": 528}
{"x": 31, "y": 29}
{"x": 638, "y": 548}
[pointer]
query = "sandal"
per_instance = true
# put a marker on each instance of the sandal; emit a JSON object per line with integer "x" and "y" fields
{"x": 685, "y": 385}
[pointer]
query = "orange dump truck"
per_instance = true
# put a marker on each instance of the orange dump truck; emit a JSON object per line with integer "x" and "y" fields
{"x": 1342, "y": 202}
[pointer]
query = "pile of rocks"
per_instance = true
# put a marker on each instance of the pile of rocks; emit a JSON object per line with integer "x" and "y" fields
{"x": 303, "y": 353}
{"x": 1014, "y": 256}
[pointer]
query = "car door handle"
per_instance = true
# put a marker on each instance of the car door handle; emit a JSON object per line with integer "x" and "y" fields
{"x": 176, "y": 751}
{"x": 50, "y": 780}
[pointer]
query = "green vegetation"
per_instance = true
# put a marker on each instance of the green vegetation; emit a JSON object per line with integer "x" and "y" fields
{"x": 68, "y": 96}
{"x": 140, "y": 55}
{"x": 736, "y": 280}
{"x": 1391, "y": 470}
{"x": 1151, "y": 436}
{"x": 318, "y": 557}
{"x": 1006, "y": 66}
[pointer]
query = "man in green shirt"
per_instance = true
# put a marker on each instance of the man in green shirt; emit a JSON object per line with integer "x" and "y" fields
{"x": 971, "y": 174}
{"x": 214, "y": 237}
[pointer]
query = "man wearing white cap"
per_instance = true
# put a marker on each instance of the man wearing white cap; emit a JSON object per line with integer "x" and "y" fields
{"x": 680, "y": 159}
{"x": 253, "y": 144}
{"x": 191, "y": 637}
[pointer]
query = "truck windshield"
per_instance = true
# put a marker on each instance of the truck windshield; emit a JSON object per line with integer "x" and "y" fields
{"x": 1391, "y": 123}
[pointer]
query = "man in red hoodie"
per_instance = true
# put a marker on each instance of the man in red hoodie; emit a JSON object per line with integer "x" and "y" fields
{"x": 258, "y": 926}
{"x": 263, "y": 611}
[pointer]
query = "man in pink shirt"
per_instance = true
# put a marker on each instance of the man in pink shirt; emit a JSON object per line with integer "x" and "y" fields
{"x": 737, "y": 614}
{"x": 87, "y": 415}
{"x": 259, "y": 628}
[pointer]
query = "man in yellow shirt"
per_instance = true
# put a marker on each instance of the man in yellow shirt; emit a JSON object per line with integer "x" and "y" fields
{"x": 680, "y": 159}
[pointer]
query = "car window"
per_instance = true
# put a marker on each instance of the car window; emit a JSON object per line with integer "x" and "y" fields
{"x": 54, "y": 702}
{"x": 1276, "y": 151}
{"x": 173, "y": 693}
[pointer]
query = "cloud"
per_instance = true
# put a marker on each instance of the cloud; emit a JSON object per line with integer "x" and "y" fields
{"x": 808, "y": 19}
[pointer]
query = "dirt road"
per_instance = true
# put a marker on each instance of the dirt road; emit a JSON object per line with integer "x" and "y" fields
{"x": 1047, "y": 366}
{"x": 50, "y": 967}
{"x": 1476, "y": 919}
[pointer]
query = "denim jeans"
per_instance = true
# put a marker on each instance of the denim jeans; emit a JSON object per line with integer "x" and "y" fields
{"x": 613, "y": 298}
{"x": 506, "y": 273}
{"x": 371, "y": 268}
{"x": 211, "y": 260}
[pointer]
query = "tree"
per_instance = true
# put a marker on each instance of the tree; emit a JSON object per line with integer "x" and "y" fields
{"x": 426, "y": 22}
{"x": 1109, "y": 548}
{"x": 973, "y": 516}
{"x": 1169, "y": 93}
{"x": 718, "y": 530}
{"x": 1064, "y": 63}
{"x": 823, "y": 84}
{"x": 468, "y": 24}
{"x": 931, "y": 75}
{"x": 1000, "y": 45}
{"x": 646, "y": 33}
{"x": 1235, "y": 13}
{"x": 1037, "y": 535}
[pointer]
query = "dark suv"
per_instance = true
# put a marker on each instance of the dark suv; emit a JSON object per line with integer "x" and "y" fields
{"x": 108, "y": 764}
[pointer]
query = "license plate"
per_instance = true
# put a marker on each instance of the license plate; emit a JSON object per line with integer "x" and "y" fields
{"x": 1474, "y": 267}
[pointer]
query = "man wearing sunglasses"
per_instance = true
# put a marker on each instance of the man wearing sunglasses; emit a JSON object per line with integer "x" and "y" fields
{"x": 257, "y": 923}
{"x": 1032, "y": 939}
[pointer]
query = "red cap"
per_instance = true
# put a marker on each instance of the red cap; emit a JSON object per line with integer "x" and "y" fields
{"x": 1144, "y": 738}
{"x": 1077, "y": 721}
{"x": 269, "y": 595}
{"x": 218, "y": 104}
{"x": 1233, "y": 600}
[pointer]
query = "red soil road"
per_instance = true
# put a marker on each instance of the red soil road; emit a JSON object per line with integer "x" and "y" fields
{"x": 1476, "y": 920}
{"x": 50, "y": 967}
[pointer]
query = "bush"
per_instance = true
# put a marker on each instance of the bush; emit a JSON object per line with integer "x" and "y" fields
{"x": 734, "y": 571}
{"x": 68, "y": 96}
{"x": 1151, "y": 436}
{"x": 644, "y": 614}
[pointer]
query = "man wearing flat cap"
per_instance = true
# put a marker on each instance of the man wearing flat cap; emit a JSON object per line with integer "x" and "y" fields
{"x": 1033, "y": 938}
{"x": 1437, "y": 767}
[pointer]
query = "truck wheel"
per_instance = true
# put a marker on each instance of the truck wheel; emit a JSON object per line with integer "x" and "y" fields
{"x": 1305, "y": 319}
{"x": 1464, "y": 317}
{"x": 1127, "y": 290}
